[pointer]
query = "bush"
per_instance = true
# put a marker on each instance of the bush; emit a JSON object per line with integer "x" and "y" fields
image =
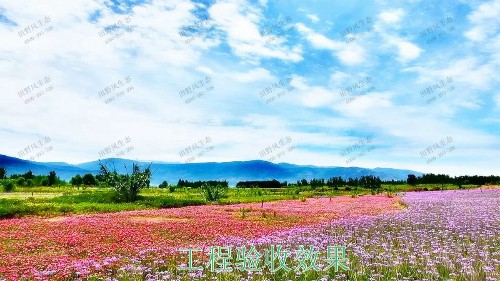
{"x": 30, "y": 183}
{"x": 8, "y": 186}
{"x": 171, "y": 188}
{"x": 213, "y": 192}
{"x": 127, "y": 186}
{"x": 20, "y": 181}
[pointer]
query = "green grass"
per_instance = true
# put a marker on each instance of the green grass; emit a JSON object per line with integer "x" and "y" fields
{"x": 54, "y": 201}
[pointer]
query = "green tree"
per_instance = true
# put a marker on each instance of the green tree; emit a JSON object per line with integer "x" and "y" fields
{"x": 52, "y": 178}
{"x": 89, "y": 180}
{"x": 352, "y": 182}
{"x": 411, "y": 180}
{"x": 127, "y": 186}
{"x": 30, "y": 183}
{"x": 20, "y": 181}
{"x": 8, "y": 185}
{"x": 335, "y": 182}
{"x": 213, "y": 192}
{"x": 76, "y": 180}
{"x": 3, "y": 173}
{"x": 164, "y": 184}
{"x": 371, "y": 182}
{"x": 28, "y": 175}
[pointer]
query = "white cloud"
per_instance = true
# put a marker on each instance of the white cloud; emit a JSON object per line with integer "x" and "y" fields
{"x": 486, "y": 22}
{"x": 205, "y": 70}
{"x": 239, "y": 21}
{"x": 496, "y": 98}
{"x": 349, "y": 54}
{"x": 392, "y": 16}
{"x": 407, "y": 51}
{"x": 258, "y": 74}
{"x": 469, "y": 71}
{"x": 313, "y": 18}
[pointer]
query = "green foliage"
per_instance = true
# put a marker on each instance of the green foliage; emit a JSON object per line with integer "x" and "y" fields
{"x": 76, "y": 180}
{"x": 171, "y": 188}
{"x": 20, "y": 182}
{"x": 261, "y": 184}
{"x": 89, "y": 180}
{"x": 371, "y": 182}
{"x": 213, "y": 192}
{"x": 412, "y": 180}
{"x": 8, "y": 185}
{"x": 198, "y": 184}
{"x": 127, "y": 186}
{"x": 317, "y": 183}
{"x": 164, "y": 184}
{"x": 28, "y": 175}
{"x": 3, "y": 173}
{"x": 52, "y": 178}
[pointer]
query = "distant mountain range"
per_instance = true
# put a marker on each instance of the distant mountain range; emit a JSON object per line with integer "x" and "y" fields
{"x": 231, "y": 171}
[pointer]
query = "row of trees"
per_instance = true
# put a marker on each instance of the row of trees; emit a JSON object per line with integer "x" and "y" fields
{"x": 198, "y": 184}
{"x": 445, "y": 179}
{"x": 28, "y": 179}
{"x": 261, "y": 184}
{"x": 371, "y": 182}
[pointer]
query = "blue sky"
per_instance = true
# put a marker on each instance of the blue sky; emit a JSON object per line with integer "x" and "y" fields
{"x": 243, "y": 48}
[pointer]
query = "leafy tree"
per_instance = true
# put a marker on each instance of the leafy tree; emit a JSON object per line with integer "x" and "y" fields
{"x": 411, "y": 180}
{"x": 8, "y": 185}
{"x": 303, "y": 182}
{"x": 89, "y": 180}
{"x": 28, "y": 175}
{"x": 335, "y": 182}
{"x": 76, "y": 180}
{"x": 317, "y": 183}
{"x": 352, "y": 182}
{"x": 164, "y": 184}
{"x": 213, "y": 192}
{"x": 3, "y": 173}
{"x": 100, "y": 180}
{"x": 20, "y": 181}
{"x": 252, "y": 184}
{"x": 52, "y": 178}
{"x": 371, "y": 182}
{"x": 30, "y": 183}
{"x": 127, "y": 186}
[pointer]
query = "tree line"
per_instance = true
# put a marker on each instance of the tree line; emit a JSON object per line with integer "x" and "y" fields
{"x": 446, "y": 179}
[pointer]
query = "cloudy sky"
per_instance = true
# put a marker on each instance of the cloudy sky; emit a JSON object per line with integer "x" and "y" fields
{"x": 401, "y": 84}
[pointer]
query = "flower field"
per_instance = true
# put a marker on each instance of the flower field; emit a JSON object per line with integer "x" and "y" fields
{"x": 441, "y": 235}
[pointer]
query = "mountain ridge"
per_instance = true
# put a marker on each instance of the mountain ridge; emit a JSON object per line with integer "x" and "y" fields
{"x": 233, "y": 171}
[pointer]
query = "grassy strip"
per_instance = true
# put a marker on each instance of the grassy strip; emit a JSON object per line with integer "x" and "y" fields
{"x": 43, "y": 201}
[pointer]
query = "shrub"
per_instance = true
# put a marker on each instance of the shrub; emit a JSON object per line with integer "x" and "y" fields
{"x": 20, "y": 181}
{"x": 127, "y": 186}
{"x": 171, "y": 188}
{"x": 164, "y": 184}
{"x": 89, "y": 180}
{"x": 213, "y": 192}
{"x": 8, "y": 186}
